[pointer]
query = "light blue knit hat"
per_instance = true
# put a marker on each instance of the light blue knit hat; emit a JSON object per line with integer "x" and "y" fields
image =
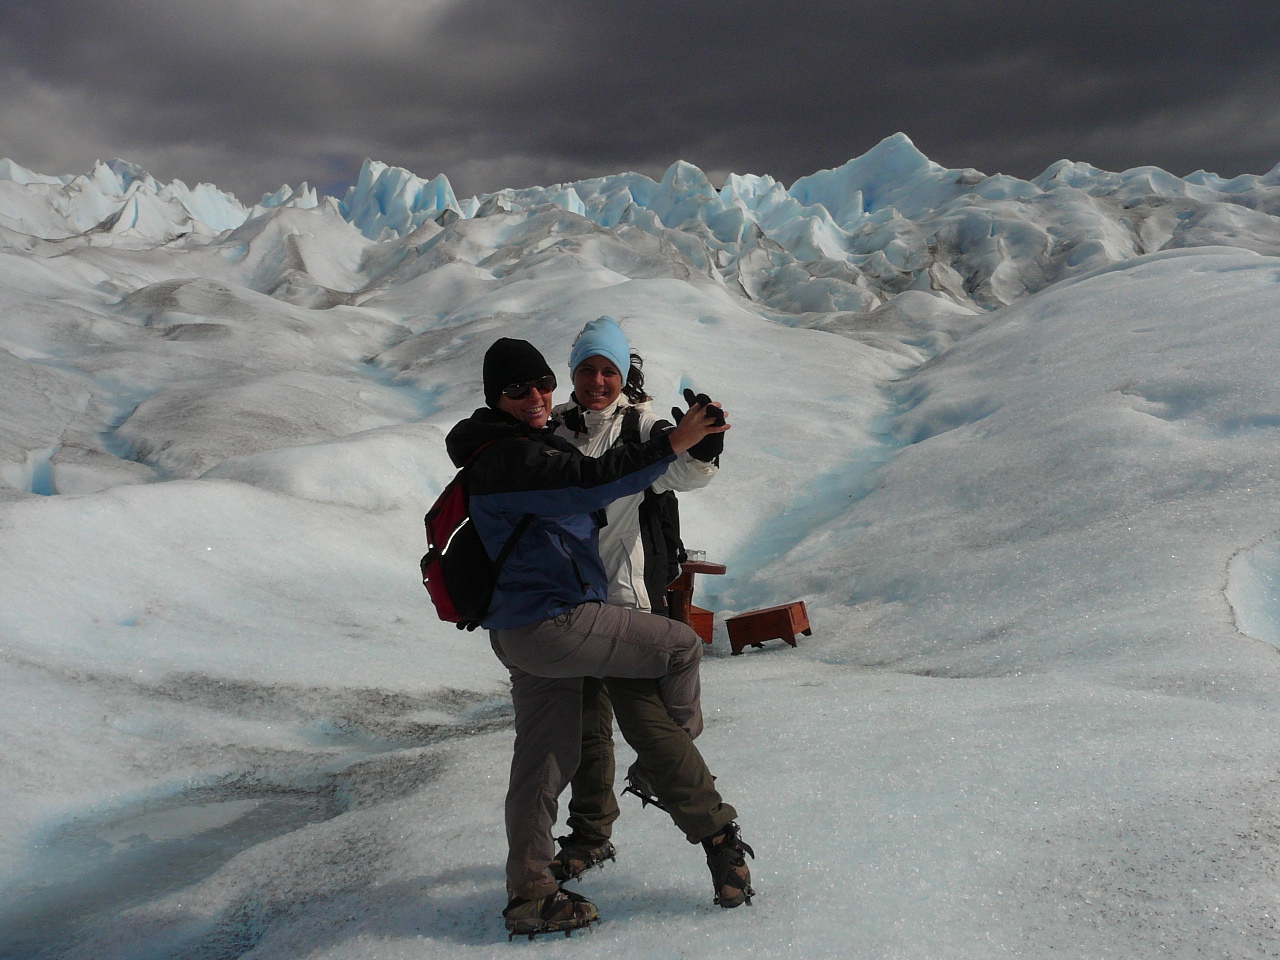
{"x": 602, "y": 337}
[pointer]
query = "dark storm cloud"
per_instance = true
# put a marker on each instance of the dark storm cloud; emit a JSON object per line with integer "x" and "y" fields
{"x": 252, "y": 93}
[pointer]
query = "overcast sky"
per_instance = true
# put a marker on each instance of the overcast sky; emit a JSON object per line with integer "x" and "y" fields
{"x": 249, "y": 94}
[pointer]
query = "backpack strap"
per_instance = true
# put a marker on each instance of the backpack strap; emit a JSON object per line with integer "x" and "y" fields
{"x": 521, "y": 526}
{"x": 630, "y": 426}
{"x": 659, "y": 520}
{"x": 574, "y": 420}
{"x": 477, "y": 451}
{"x": 498, "y": 564}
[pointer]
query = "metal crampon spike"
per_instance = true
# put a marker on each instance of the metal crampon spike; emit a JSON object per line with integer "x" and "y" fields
{"x": 568, "y": 931}
{"x": 646, "y": 799}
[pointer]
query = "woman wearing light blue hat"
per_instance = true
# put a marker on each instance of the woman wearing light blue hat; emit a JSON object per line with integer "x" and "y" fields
{"x": 608, "y": 403}
{"x": 608, "y": 407}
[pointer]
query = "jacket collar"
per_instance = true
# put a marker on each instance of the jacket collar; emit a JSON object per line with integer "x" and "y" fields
{"x": 581, "y": 420}
{"x": 487, "y": 424}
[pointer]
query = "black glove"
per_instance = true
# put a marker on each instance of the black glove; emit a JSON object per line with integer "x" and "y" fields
{"x": 710, "y": 447}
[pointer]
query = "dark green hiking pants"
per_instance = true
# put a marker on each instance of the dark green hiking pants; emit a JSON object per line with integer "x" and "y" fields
{"x": 593, "y": 805}
{"x": 667, "y": 760}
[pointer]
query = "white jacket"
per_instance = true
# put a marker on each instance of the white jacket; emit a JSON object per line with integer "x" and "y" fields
{"x": 620, "y": 545}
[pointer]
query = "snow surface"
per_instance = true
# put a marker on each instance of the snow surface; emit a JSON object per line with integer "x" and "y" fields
{"x": 1013, "y": 442}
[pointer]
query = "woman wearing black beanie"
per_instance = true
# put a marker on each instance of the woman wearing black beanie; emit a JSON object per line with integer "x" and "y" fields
{"x": 512, "y": 361}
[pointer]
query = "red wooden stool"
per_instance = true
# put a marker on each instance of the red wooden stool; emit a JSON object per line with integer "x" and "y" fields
{"x": 680, "y": 598}
{"x": 754, "y": 627}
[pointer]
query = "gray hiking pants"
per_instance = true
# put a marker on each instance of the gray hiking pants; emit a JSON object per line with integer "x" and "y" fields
{"x": 659, "y": 712}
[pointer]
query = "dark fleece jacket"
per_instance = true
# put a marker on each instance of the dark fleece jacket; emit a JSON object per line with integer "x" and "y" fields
{"x": 555, "y": 565}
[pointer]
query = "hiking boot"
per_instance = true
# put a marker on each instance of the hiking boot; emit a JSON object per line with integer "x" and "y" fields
{"x": 637, "y": 786}
{"x": 729, "y": 873}
{"x": 562, "y": 910}
{"x": 577, "y": 855}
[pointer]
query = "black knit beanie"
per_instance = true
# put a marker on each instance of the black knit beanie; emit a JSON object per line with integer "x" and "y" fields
{"x": 510, "y": 361}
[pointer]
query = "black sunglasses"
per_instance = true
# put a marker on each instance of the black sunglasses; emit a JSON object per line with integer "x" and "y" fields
{"x": 518, "y": 391}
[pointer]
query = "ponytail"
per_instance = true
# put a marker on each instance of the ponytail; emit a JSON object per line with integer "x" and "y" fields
{"x": 633, "y": 389}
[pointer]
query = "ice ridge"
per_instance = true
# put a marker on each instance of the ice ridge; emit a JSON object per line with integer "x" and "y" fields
{"x": 847, "y": 238}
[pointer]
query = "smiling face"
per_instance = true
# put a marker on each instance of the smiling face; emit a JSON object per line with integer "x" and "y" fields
{"x": 597, "y": 383}
{"x": 534, "y": 408}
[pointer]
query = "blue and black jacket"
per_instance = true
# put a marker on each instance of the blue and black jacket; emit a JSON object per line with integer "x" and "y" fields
{"x": 555, "y": 564}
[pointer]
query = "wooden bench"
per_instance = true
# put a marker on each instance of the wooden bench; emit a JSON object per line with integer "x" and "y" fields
{"x": 680, "y": 598}
{"x": 753, "y": 628}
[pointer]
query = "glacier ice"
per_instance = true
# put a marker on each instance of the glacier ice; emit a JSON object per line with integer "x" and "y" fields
{"x": 897, "y": 220}
{"x": 1014, "y": 442}
{"x": 392, "y": 200}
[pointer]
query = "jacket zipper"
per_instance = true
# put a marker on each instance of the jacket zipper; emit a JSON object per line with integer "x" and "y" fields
{"x": 582, "y": 584}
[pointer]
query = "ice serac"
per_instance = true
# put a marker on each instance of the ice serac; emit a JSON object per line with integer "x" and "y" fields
{"x": 304, "y": 197}
{"x": 1067, "y": 173}
{"x": 115, "y": 202}
{"x": 115, "y": 177}
{"x": 20, "y": 174}
{"x": 685, "y": 194}
{"x": 569, "y": 199}
{"x": 892, "y": 173}
{"x": 606, "y": 199}
{"x": 303, "y": 255}
{"x": 392, "y": 201}
{"x": 747, "y": 190}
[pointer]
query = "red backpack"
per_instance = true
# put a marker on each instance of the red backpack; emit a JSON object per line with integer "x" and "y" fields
{"x": 456, "y": 569}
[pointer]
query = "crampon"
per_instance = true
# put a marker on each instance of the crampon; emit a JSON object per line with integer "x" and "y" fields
{"x": 730, "y": 875}
{"x": 563, "y": 911}
{"x": 577, "y": 855}
{"x": 638, "y": 787}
